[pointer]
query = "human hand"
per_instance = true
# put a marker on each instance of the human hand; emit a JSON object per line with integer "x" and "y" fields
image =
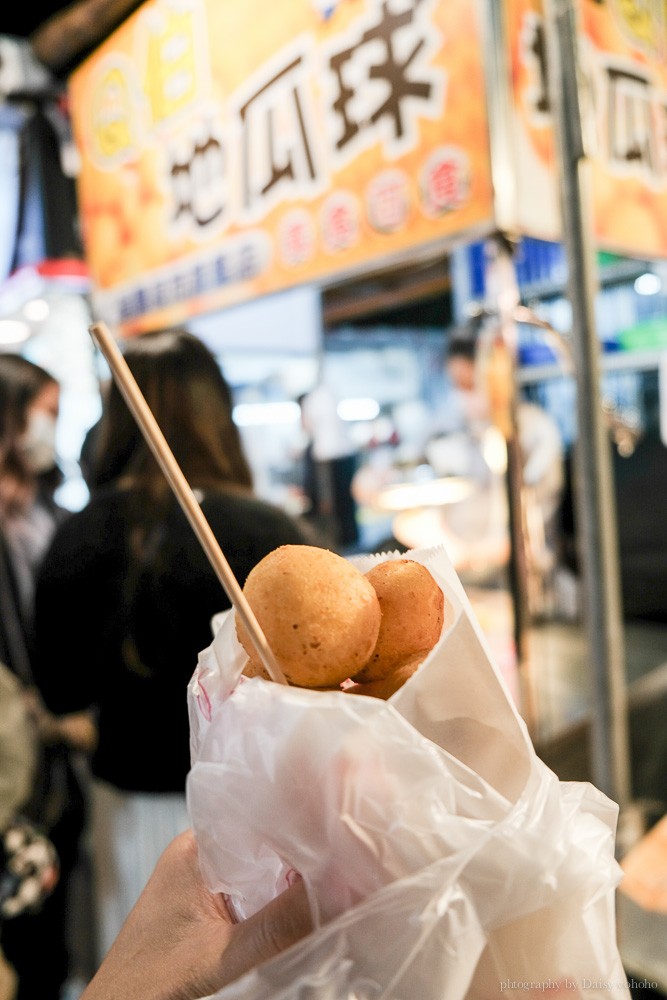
{"x": 180, "y": 942}
{"x": 76, "y": 730}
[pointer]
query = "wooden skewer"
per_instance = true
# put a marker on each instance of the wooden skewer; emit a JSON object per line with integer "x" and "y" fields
{"x": 165, "y": 457}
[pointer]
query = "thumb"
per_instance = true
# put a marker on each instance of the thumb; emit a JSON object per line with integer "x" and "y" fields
{"x": 281, "y": 923}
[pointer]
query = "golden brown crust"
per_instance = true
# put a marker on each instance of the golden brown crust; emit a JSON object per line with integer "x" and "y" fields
{"x": 385, "y": 686}
{"x": 412, "y": 606}
{"x": 320, "y": 615}
{"x": 255, "y": 668}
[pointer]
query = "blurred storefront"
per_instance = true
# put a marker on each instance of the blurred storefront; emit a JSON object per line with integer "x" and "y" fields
{"x": 314, "y": 191}
{"x": 319, "y": 191}
{"x": 346, "y": 147}
{"x": 44, "y": 281}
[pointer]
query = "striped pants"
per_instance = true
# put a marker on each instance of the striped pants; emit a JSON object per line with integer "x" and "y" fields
{"x": 129, "y": 831}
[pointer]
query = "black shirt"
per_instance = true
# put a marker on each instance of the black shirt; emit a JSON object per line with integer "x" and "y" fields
{"x": 125, "y": 639}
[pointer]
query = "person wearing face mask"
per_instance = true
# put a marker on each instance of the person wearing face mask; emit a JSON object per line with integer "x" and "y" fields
{"x": 29, "y": 517}
{"x": 29, "y": 474}
{"x": 39, "y": 442}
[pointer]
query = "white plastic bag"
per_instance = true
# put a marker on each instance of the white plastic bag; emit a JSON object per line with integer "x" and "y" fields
{"x": 442, "y": 858}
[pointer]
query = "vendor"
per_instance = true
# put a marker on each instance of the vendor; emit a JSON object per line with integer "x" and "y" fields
{"x": 541, "y": 446}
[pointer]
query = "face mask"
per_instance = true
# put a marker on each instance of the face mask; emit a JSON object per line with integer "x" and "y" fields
{"x": 39, "y": 442}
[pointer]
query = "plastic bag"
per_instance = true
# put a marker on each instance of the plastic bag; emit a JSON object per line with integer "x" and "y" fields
{"x": 441, "y": 857}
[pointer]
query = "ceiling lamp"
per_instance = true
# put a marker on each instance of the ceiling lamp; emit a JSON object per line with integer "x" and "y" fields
{"x": 13, "y": 331}
{"x": 648, "y": 284}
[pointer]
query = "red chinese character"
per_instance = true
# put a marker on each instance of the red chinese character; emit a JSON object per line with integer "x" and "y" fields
{"x": 443, "y": 184}
{"x": 340, "y": 224}
{"x": 296, "y": 242}
{"x": 388, "y": 203}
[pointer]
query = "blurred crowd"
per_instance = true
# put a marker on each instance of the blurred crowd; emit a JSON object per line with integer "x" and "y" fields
{"x": 103, "y": 611}
{"x": 103, "y": 614}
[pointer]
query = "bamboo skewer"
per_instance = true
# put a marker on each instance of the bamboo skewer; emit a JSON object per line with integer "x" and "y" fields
{"x": 166, "y": 460}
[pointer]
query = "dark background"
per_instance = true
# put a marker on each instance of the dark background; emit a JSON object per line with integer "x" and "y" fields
{"x": 21, "y": 18}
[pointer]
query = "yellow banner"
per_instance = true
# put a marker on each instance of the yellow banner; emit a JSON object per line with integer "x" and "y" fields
{"x": 532, "y": 135}
{"x": 229, "y": 150}
{"x": 626, "y": 64}
{"x": 623, "y": 47}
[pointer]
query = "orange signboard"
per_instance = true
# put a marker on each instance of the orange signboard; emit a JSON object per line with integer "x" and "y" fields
{"x": 623, "y": 55}
{"x": 229, "y": 150}
{"x": 625, "y": 45}
{"x": 532, "y": 134}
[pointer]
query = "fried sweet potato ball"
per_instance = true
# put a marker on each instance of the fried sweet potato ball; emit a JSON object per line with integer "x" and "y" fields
{"x": 412, "y": 607}
{"x": 319, "y": 613}
{"x": 389, "y": 684}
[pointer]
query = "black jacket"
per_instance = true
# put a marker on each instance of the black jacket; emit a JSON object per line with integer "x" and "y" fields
{"x": 125, "y": 639}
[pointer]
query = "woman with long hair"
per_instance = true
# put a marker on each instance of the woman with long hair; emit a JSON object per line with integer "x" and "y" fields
{"x": 29, "y": 402}
{"x": 126, "y": 597}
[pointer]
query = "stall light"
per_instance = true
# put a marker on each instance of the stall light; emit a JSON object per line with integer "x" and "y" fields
{"x": 36, "y": 310}
{"x": 363, "y": 408}
{"x": 14, "y": 331}
{"x": 263, "y": 414}
{"x": 648, "y": 284}
{"x": 436, "y": 493}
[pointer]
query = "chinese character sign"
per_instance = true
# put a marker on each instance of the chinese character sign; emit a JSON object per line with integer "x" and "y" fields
{"x": 623, "y": 47}
{"x": 233, "y": 149}
{"x": 626, "y": 59}
{"x": 537, "y": 207}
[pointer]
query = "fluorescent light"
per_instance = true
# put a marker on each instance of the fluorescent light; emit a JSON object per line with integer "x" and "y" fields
{"x": 406, "y": 496}
{"x": 262, "y": 414}
{"x": 648, "y": 284}
{"x": 13, "y": 331}
{"x": 363, "y": 408}
{"x": 36, "y": 310}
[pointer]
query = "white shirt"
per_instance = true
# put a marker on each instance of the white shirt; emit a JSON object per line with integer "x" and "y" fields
{"x": 321, "y": 421}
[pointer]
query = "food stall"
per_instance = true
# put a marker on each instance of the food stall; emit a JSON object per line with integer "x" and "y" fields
{"x": 229, "y": 153}
{"x": 328, "y": 142}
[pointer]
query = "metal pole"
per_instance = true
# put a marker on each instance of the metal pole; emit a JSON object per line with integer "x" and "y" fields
{"x": 594, "y": 491}
{"x": 503, "y": 297}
